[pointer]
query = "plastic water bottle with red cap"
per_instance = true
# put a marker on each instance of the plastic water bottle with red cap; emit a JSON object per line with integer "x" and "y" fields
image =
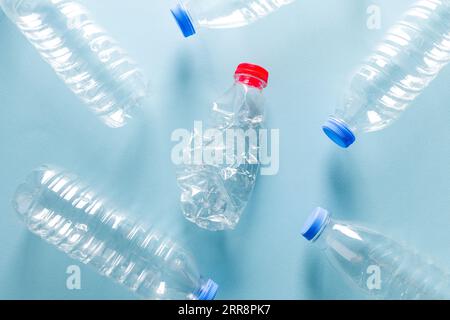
{"x": 215, "y": 194}
{"x": 89, "y": 61}
{"x": 61, "y": 209}
{"x": 379, "y": 266}
{"x": 411, "y": 56}
{"x": 220, "y": 14}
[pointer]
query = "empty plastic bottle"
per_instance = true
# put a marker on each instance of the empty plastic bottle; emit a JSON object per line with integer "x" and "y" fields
{"x": 379, "y": 266}
{"x": 410, "y": 57}
{"x": 216, "y": 191}
{"x": 59, "y": 208}
{"x": 221, "y": 14}
{"x": 83, "y": 55}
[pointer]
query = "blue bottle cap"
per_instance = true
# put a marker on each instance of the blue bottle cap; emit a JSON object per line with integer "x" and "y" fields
{"x": 183, "y": 19}
{"x": 338, "y": 131}
{"x": 315, "y": 223}
{"x": 208, "y": 291}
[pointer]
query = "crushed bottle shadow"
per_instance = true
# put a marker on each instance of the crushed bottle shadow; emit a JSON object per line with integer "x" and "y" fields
{"x": 132, "y": 169}
{"x": 252, "y": 209}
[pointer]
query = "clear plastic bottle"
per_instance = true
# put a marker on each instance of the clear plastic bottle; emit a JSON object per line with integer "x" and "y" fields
{"x": 403, "y": 65}
{"x": 221, "y": 14}
{"x": 215, "y": 194}
{"x": 59, "y": 208}
{"x": 379, "y": 266}
{"x": 83, "y": 55}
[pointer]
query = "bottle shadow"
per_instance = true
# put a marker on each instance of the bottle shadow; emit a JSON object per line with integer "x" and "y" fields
{"x": 218, "y": 256}
{"x": 39, "y": 271}
{"x": 314, "y": 275}
{"x": 133, "y": 170}
{"x": 344, "y": 185}
{"x": 189, "y": 90}
{"x": 25, "y": 279}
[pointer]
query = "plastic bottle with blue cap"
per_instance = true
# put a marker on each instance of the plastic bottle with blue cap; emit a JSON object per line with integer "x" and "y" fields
{"x": 412, "y": 54}
{"x": 64, "y": 211}
{"x": 220, "y": 14}
{"x": 379, "y": 266}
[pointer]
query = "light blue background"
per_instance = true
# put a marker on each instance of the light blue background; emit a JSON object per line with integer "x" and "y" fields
{"x": 396, "y": 181}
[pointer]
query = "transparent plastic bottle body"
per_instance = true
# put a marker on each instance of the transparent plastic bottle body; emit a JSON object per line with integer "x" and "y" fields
{"x": 58, "y": 207}
{"x": 379, "y": 266}
{"x": 215, "y": 14}
{"x": 216, "y": 192}
{"x": 403, "y": 65}
{"x": 83, "y": 55}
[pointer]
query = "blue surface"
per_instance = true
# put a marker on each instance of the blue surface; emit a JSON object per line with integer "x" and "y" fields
{"x": 396, "y": 180}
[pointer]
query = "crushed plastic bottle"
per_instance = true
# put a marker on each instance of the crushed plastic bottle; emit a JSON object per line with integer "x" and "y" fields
{"x": 83, "y": 55}
{"x": 413, "y": 53}
{"x": 214, "y": 14}
{"x": 215, "y": 194}
{"x": 379, "y": 266}
{"x": 59, "y": 208}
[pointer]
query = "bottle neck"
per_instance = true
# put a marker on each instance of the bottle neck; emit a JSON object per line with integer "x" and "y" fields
{"x": 250, "y": 81}
{"x": 320, "y": 239}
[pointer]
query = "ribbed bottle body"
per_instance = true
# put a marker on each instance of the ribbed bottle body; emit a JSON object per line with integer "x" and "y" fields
{"x": 84, "y": 56}
{"x": 412, "y": 54}
{"x": 58, "y": 207}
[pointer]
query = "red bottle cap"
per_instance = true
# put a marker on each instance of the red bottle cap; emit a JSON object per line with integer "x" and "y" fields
{"x": 252, "y": 75}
